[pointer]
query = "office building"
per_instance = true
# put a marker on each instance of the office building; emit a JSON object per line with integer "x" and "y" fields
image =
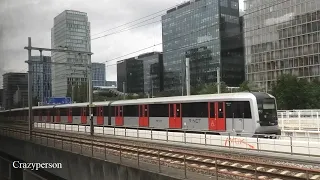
{"x": 71, "y": 31}
{"x": 98, "y": 74}
{"x": 209, "y": 33}
{"x": 130, "y": 76}
{"x": 152, "y": 72}
{"x": 281, "y": 39}
{"x": 142, "y": 74}
{"x": 41, "y": 86}
{"x": 12, "y": 82}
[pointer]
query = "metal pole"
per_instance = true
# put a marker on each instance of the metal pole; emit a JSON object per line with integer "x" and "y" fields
{"x": 187, "y": 76}
{"x": 72, "y": 92}
{"x": 124, "y": 89}
{"x": 30, "y": 87}
{"x": 218, "y": 80}
{"x": 90, "y": 97}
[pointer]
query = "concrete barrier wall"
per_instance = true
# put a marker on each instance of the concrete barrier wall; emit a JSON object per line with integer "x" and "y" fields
{"x": 279, "y": 145}
{"x": 74, "y": 166}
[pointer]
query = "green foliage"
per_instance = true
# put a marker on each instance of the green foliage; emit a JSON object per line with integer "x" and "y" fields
{"x": 212, "y": 88}
{"x": 69, "y": 91}
{"x": 247, "y": 86}
{"x": 294, "y": 93}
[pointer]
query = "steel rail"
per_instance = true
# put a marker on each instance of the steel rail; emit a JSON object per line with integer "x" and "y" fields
{"x": 203, "y": 150}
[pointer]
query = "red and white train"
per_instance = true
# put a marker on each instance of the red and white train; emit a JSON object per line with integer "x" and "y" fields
{"x": 239, "y": 113}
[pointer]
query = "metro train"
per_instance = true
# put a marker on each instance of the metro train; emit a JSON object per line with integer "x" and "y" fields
{"x": 249, "y": 113}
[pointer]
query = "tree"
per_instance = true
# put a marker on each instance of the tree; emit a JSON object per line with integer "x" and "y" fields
{"x": 212, "y": 88}
{"x": 292, "y": 93}
{"x": 69, "y": 90}
{"x": 83, "y": 89}
{"x": 75, "y": 93}
{"x": 249, "y": 87}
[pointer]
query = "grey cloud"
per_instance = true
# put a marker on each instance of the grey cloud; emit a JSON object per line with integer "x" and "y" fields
{"x": 20, "y": 19}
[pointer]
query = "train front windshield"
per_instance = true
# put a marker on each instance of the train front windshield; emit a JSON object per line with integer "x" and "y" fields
{"x": 268, "y": 112}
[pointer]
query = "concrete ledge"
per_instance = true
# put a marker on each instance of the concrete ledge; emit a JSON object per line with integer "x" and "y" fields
{"x": 76, "y": 166}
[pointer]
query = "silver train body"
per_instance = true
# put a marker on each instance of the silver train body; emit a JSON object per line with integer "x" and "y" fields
{"x": 243, "y": 114}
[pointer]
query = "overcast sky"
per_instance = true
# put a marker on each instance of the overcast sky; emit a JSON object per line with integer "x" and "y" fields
{"x": 20, "y": 19}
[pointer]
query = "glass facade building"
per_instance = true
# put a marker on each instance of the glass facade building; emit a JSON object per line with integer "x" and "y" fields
{"x": 209, "y": 33}
{"x": 152, "y": 72}
{"x": 72, "y": 31}
{"x": 41, "y": 86}
{"x": 130, "y": 73}
{"x": 98, "y": 74}
{"x": 11, "y": 83}
{"x": 281, "y": 37}
{"x": 142, "y": 74}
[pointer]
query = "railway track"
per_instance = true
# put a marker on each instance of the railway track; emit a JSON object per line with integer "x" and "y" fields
{"x": 194, "y": 162}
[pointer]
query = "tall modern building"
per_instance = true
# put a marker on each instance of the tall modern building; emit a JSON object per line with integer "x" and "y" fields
{"x": 12, "y": 82}
{"x": 142, "y": 74}
{"x": 208, "y": 32}
{"x": 98, "y": 74}
{"x": 71, "y": 30}
{"x": 282, "y": 38}
{"x": 130, "y": 75}
{"x": 41, "y": 86}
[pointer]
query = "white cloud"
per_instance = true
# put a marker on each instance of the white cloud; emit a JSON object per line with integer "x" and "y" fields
{"x": 20, "y": 19}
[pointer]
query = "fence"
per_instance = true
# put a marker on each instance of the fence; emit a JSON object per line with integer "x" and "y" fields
{"x": 308, "y": 120}
{"x": 284, "y": 144}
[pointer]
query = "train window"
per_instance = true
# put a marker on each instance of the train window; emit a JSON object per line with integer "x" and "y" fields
{"x": 229, "y": 110}
{"x": 120, "y": 111}
{"x": 141, "y": 111}
{"x": 64, "y": 111}
{"x": 247, "y": 109}
{"x": 220, "y": 110}
{"x": 131, "y": 111}
{"x": 96, "y": 111}
{"x": 105, "y": 110}
{"x": 197, "y": 109}
{"x": 171, "y": 110}
{"x": 158, "y": 110}
{"x": 35, "y": 112}
{"x": 238, "y": 109}
{"x": 113, "y": 111}
{"x": 76, "y": 111}
{"x": 212, "y": 110}
{"x": 178, "y": 110}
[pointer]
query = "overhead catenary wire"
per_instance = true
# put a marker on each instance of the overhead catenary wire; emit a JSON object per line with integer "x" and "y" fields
{"x": 139, "y": 19}
{"x": 126, "y": 29}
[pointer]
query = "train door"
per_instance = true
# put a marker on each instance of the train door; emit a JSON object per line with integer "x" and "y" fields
{"x": 119, "y": 115}
{"x": 100, "y": 117}
{"x": 144, "y": 115}
{"x": 217, "y": 119}
{"x": 57, "y": 117}
{"x": 69, "y": 115}
{"x": 212, "y": 116}
{"x": 221, "y": 116}
{"x": 175, "y": 120}
{"x": 84, "y": 115}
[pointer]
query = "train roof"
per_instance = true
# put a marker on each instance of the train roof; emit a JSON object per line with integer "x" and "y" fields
{"x": 193, "y": 98}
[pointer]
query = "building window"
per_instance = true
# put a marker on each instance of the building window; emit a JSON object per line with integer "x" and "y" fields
{"x": 234, "y": 5}
{"x": 224, "y": 3}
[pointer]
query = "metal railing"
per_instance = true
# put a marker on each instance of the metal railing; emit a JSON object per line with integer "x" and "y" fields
{"x": 307, "y": 120}
{"x": 175, "y": 164}
{"x": 283, "y": 144}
